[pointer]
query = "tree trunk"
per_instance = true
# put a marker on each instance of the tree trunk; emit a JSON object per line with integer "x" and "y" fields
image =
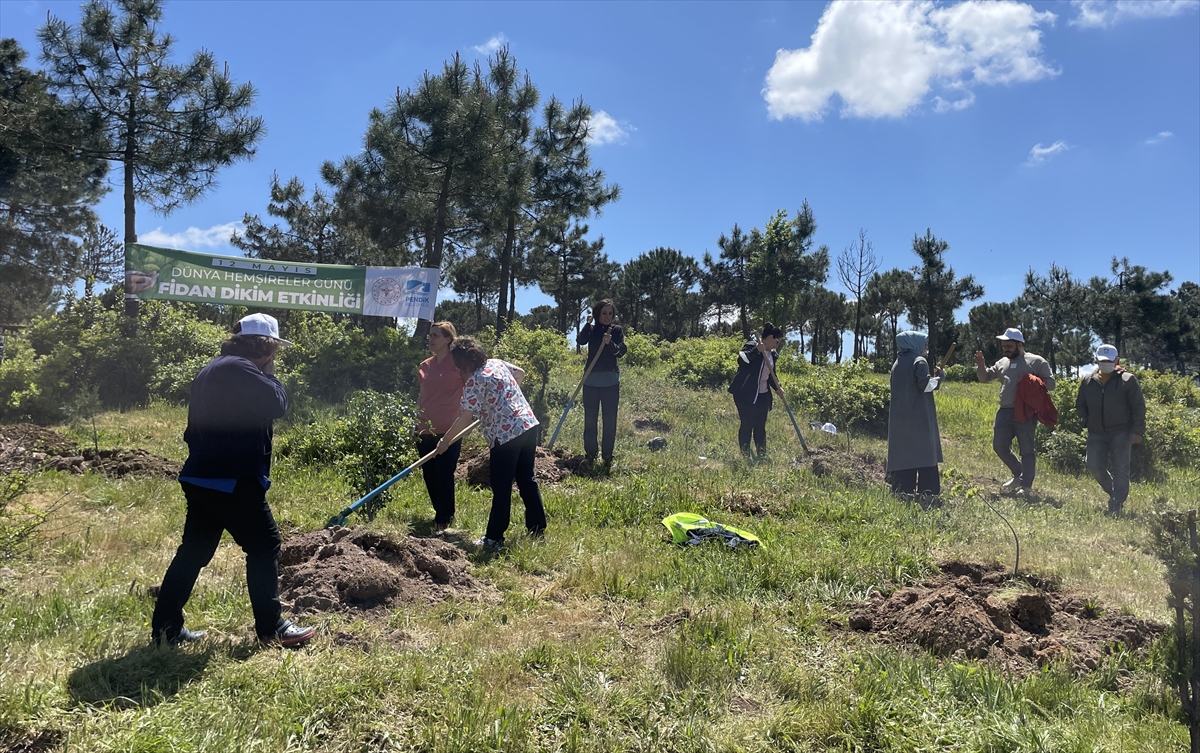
{"x": 131, "y": 301}
{"x": 505, "y": 270}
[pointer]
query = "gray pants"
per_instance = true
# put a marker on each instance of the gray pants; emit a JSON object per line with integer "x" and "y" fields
{"x": 1107, "y": 449}
{"x": 1003, "y": 431}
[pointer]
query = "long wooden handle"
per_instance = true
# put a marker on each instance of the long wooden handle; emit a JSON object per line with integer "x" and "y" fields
{"x": 949, "y": 354}
{"x": 587, "y": 372}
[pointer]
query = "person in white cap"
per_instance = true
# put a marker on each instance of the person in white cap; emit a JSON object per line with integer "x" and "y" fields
{"x": 1015, "y": 364}
{"x": 235, "y": 400}
{"x": 1112, "y": 408}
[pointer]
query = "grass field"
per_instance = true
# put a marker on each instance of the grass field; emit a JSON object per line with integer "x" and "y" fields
{"x": 602, "y": 637}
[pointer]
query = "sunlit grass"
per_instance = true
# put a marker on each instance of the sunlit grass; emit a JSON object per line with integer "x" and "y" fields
{"x": 602, "y": 637}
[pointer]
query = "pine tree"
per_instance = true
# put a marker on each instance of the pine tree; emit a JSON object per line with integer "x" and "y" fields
{"x": 48, "y": 184}
{"x": 937, "y": 293}
{"x": 172, "y": 127}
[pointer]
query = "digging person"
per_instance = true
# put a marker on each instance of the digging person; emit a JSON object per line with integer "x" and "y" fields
{"x": 751, "y": 389}
{"x": 441, "y": 393}
{"x": 492, "y": 393}
{"x": 914, "y": 444}
{"x": 1112, "y": 409}
{"x": 235, "y": 400}
{"x": 1011, "y": 370}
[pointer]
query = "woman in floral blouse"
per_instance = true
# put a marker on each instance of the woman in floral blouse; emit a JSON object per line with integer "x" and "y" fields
{"x": 492, "y": 394}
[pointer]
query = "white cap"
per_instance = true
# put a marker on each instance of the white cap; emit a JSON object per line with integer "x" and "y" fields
{"x": 1106, "y": 353}
{"x": 1012, "y": 334}
{"x": 262, "y": 324}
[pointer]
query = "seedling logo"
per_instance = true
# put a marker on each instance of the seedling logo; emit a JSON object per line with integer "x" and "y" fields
{"x": 416, "y": 285}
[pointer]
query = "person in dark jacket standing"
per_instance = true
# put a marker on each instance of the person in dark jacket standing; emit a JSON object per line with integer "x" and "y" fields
{"x": 602, "y": 388}
{"x": 235, "y": 400}
{"x": 1112, "y": 408}
{"x": 914, "y": 443}
{"x": 751, "y": 389}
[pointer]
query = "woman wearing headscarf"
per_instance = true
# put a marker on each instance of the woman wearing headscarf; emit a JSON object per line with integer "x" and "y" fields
{"x": 914, "y": 444}
{"x": 603, "y": 384}
{"x": 492, "y": 393}
{"x": 441, "y": 394}
{"x": 751, "y": 388}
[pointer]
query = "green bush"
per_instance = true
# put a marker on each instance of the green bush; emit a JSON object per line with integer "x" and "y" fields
{"x": 703, "y": 362}
{"x": 1169, "y": 389}
{"x": 849, "y": 396}
{"x": 374, "y": 441}
{"x": 332, "y": 359}
{"x": 1065, "y": 451}
{"x": 535, "y": 350}
{"x": 960, "y": 373}
{"x": 1172, "y": 438}
{"x": 641, "y": 350}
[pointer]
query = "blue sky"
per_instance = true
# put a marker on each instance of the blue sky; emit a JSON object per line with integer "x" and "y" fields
{"x": 1021, "y": 133}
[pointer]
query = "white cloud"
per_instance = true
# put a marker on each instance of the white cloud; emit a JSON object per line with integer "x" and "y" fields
{"x": 604, "y": 129}
{"x": 1039, "y": 154}
{"x": 1160, "y": 137}
{"x": 1095, "y": 14}
{"x": 193, "y": 238}
{"x": 883, "y": 58}
{"x": 493, "y": 44}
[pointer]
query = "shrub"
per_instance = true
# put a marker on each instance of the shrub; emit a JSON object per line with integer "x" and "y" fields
{"x": 848, "y": 396}
{"x": 960, "y": 373}
{"x": 1169, "y": 389}
{"x": 1172, "y": 438}
{"x": 1065, "y": 451}
{"x": 703, "y": 362}
{"x": 642, "y": 350}
{"x": 373, "y": 442}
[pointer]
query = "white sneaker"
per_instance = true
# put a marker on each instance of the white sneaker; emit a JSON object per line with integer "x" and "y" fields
{"x": 1012, "y": 483}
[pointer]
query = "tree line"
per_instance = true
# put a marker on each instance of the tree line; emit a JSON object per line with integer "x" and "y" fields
{"x": 469, "y": 171}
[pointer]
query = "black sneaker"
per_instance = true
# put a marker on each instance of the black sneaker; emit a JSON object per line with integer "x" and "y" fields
{"x": 1115, "y": 508}
{"x": 289, "y": 634}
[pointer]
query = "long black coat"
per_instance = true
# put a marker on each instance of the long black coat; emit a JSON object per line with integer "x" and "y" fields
{"x": 913, "y": 438}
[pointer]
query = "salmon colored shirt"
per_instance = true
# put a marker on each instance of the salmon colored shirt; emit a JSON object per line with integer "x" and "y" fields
{"x": 441, "y": 395}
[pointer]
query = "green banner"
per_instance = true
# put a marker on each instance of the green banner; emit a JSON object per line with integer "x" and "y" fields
{"x": 171, "y": 275}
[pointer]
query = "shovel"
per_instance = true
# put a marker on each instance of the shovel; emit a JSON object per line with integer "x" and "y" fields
{"x": 575, "y": 394}
{"x": 344, "y": 516}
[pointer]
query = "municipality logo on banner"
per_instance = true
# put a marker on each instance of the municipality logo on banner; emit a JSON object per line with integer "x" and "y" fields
{"x": 402, "y": 292}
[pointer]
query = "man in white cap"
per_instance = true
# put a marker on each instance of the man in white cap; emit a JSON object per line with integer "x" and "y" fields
{"x": 235, "y": 400}
{"x": 1009, "y": 370}
{"x": 1111, "y": 406}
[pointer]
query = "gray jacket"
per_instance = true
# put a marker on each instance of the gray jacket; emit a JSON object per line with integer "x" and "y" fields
{"x": 913, "y": 437}
{"x": 1116, "y": 406}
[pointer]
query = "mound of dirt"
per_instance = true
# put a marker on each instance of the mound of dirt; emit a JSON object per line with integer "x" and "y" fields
{"x": 351, "y": 569}
{"x": 29, "y": 448}
{"x": 549, "y": 467}
{"x": 961, "y": 613}
{"x": 851, "y": 468}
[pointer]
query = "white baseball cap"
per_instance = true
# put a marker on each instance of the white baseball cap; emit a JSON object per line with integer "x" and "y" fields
{"x": 261, "y": 324}
{"x": 1012, "y": 334}
{"x": 1106, "y": 353}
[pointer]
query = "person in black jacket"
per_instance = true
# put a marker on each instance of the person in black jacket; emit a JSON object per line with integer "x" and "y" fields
{"x": 751, "y": 388}
{"x": 235, "y": 400}
{"x": 602, "y": 388}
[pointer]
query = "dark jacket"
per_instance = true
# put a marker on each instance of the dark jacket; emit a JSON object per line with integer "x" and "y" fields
{"x": 1118, "y": 405}
{"x": 591, "y": 337}
{"x": 1033, "y": 401}
{"x": 744, "y": 386}
{"x": 231, "y": 419}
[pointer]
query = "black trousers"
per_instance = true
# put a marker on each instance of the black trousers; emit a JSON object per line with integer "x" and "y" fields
{"x": 753, "y": 417}
{"x": 913, "y": 480}
{"x": 595, "y": 398}
{"x": 245, "y": 514}
{"x": 439, "y": 476}
{"x": 511, "y": 461}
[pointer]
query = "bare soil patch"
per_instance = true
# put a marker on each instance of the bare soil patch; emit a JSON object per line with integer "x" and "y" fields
{"x": 354, "y": 569}
{"x": 549, "y": 467}
{"x": 650, "y": 425}
{"x": 29, "y": 448}
{"x": 966, "y": 612}
{"x": 849, "y": 467}
{"x": 15, "y": 740}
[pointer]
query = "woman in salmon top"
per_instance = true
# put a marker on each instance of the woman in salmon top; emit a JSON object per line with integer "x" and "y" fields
{"x": 441, "y": 395}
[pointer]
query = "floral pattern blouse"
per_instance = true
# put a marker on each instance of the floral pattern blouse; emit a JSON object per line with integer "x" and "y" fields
{"x": 494, "y": 394}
